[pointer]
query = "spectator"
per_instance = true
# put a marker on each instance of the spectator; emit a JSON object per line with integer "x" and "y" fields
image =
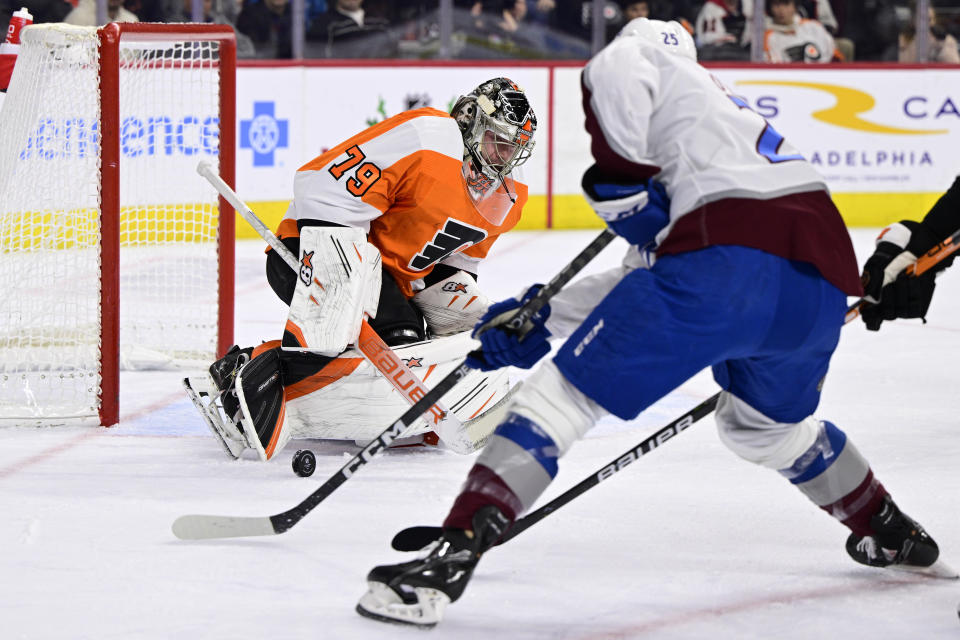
{"x": 576, "y": 18}
{"x": 146, "y": 10}
{"x": 315, "y": 9}
{"x": 475, "y": 9}
{"x": 821, "y": 11}
{"x": 721, "y": 32}
{"x": 512, "y": 13}
{"x": 541, "y": 11}
{"x": 85, "y": 13}
{"x": 633, "y": 10}
{"x": 873, "y": 27}
{"x": 941, "y": 46}
{"x": 790, "y": 38}
{"x": 182, "y": 11}
{"x": 346, "y": 31}
{"x": 831, "y": 14}
{"x": 656, "y": 10}
{"x": 685, "y": 11}
{"x": 267, "y": 24}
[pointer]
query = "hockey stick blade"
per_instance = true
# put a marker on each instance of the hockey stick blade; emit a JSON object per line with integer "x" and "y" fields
{"x": 200, "y": 527}
{"x": 416, "y": 538}
{"x": 196, "y": 527}
{"x": 205, "y": 527}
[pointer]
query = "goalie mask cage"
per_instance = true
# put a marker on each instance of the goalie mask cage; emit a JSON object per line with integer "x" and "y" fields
{"x": 114, "y": 253}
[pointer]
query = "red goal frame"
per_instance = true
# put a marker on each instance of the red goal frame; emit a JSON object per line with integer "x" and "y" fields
{"x": 109, "y": 85}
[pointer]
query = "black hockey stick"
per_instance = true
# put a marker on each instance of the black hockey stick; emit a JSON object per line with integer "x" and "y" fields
{"x": 199, "y": 527}
{"x": 415, "y": 538}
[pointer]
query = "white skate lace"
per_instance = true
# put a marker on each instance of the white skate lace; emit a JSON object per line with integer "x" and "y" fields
{"x": 868, "y": 546}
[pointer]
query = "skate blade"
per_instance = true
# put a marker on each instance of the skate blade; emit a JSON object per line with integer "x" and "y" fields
{"x": 939, "y": 569}
{"x": 382, "y": 603}
{"x": 198, "y": 393}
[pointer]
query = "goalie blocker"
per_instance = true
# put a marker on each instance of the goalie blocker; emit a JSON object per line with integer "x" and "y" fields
{"x": 347, "y": 399}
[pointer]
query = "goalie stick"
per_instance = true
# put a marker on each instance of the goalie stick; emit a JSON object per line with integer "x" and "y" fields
{"x": 417, "y": 537}
{"x": 451, "y": 430}
{"x": 199, "y": 527}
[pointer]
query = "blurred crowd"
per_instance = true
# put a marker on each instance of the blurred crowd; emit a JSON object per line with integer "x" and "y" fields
{"x": 809, "y": 31}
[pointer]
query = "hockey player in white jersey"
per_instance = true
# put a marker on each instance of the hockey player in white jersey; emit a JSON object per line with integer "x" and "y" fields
{"x": 739, "y": 261}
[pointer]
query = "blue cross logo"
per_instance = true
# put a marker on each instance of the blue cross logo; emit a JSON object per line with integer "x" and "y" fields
{"x": 264, "y": 134}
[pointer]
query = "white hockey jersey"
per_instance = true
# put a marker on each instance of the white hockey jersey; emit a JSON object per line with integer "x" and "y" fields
{"x": 731, "y": 178}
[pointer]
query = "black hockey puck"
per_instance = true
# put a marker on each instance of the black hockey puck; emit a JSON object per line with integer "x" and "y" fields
{"x": 304, "y": 463}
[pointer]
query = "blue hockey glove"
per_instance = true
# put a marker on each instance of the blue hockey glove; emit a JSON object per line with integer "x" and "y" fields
{"x": 502, "y": 347}
{"x": 635, "y": 211}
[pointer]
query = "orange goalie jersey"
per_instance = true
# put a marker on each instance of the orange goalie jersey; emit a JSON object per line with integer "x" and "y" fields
{"x": 401, "y": 181}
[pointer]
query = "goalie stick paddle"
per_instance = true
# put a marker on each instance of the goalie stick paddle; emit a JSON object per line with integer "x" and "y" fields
{"x": 199, "y": 527}
{"x": 416, "y": 538}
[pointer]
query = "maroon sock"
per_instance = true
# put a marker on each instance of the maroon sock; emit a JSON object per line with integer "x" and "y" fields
{"x": 857, "y": 507}
{"x": 482, "y": 487}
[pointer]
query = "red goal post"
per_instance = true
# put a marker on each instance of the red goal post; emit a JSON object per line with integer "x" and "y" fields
{"x": 116, "y": 253}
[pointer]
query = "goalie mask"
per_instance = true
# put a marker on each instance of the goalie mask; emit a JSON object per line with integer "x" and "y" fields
{"x": 497, "y": 125}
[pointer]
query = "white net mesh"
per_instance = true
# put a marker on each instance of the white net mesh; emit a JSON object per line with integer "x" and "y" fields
{"x": 50, "y": 207}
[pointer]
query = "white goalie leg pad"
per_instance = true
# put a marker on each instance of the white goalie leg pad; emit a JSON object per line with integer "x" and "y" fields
{"x": 382, "y": 603}
{"x": 556, "y": 406}
{"x": 362, "y": 404}
{"x": 339, "y": 281}
{"x": 452, "y": 305}
{"x": 759, "y": 439}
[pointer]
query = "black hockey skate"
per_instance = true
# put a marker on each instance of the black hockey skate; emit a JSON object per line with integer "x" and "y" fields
{"x": 417, "y": 592}
{"x": 899, "y": 542}
{"x": 223, "y": 373}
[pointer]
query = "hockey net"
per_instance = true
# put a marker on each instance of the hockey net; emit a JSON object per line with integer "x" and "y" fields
{"x": 113, "y": 251}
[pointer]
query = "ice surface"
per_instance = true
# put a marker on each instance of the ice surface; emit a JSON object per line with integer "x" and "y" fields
{"x": 690, "y": 542}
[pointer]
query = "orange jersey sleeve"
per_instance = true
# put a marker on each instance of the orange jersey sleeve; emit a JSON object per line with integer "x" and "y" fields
{"x": 400, "y": 181}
